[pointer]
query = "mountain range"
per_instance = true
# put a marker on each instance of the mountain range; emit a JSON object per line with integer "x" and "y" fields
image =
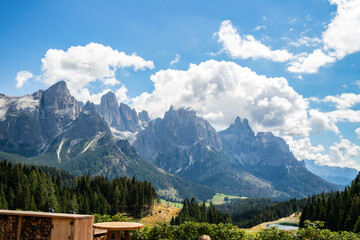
{"x": 337, "y": 175}
{"x": 181, "y": 153}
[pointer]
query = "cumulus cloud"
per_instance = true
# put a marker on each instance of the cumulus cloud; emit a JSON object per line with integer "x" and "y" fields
{"x": 357, "y": 131}
{"x": 247, "y": 46}
{"x": 340, "y": 39}
{"x": 341, "y": 154}
{"x": 220, "y": 91}
{"x": 348, "y": 115}
{"x": 303, "y": 149}
{"x": 344, "y": 154}
{"x": 344, "y": 101}
{"x": 22, "y": 77}
{"x": 81, "y": 66}
{"x": 320, "y": 122}
{"x": 310, "y": 63}
{"x": 121, "y": 94}
{"x": 175, "y": 61}
{"x": 343, "y": 33}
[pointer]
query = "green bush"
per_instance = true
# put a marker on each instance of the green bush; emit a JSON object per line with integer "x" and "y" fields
{"x": 189, "y": 231}
{"x": 192, "y": 231}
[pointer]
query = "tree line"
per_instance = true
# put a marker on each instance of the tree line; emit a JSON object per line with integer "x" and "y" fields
{"x": 192, "y": 211}
{"x": 250, "y": 212}
{"x": 339, "y": 210}
{"x": 33, "y": 188}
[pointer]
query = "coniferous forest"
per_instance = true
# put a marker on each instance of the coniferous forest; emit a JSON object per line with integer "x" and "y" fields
{"x": 192, "y": 211}
{"x": 250, "y": 212}
{"x": 42, "y": 189}
{"x": 339, "y": 210}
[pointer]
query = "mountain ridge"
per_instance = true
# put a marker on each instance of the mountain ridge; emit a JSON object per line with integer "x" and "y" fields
{"x": 85, "y": 139}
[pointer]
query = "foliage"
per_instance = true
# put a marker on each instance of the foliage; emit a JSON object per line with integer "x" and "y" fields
{"x": 192, "y": 231}
{"x": 192, "y": 211}
{"x": 119, "y": 217}
{"x": 250, "y": 212}
{"x": 339, "y": 210}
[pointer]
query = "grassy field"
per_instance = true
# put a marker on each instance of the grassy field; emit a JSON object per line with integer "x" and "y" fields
{"x": 173, "y": 204}
{"x": 218, "y": 198}
{"x": 160, "y": 213}
{"x": 294, "y": 218}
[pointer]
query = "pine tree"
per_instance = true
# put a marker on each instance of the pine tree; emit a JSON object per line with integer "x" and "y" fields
{"x": 357, "y": 226}
{"x": 3, "y": 202}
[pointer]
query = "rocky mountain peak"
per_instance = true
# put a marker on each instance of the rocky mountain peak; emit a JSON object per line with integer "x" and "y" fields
{"x": 144, "y": 116}
{"x": 89, "y": 108}
{"x": 109, "y": 110}
{"x": 129, "y": 117}
{"x": 57, "y": 109}
{"x": 268, "y": 138}
{"x": 240, "y": 128}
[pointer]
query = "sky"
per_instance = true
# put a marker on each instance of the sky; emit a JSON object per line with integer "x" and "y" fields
{"x": 289, "y": 67}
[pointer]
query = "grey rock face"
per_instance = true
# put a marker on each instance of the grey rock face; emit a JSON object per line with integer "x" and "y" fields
{"x": 109, "y": 110}
{"x": 57, "y": 110}
{"x": 30, "y": 123}
{"x": 88, "y": 124}
{"x": 178, "y": 134}
{"x": 20, "y": 129}
{"x": 130, "y": 120}
{"x": 122, "y": 118}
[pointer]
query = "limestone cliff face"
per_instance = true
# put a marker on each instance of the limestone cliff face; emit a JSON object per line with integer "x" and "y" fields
{"x": 124, "y": 121}
{"x": 109, "y": 110}
{"x": 30, "y": 123}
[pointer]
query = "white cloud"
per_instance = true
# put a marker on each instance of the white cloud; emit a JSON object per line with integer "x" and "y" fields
{"x": 341, "y": 154}
{"x": 320, "y": 122}
{"x": 22, "y": 77}
{"x": 344, "y": 115}
{"x": 176, "y": 60}
{"x": 344, "y": 101}
{"x": 340, "y": 39}
{"x": 357, "y": 131}
{"x": 259, "y": 27}
{"x": 247, "y": 46}
{"x": 310, "y": 63}
{"x": 344, "y": 154}
{"x": 343, "y": 33}
{"x": 303, "y": 149}
{"x": 220, "y": 91}
{"x": 81, "y": 66}
{"x": 306, "y": 41}
{"x": 121, "y": 94}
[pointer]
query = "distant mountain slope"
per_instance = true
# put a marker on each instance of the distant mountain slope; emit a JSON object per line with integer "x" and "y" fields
{"x": 49, "y": 128}
{"x": 268, "y": 157}
{"x": 335, "y": 175}
{"x": 234, "y": 160}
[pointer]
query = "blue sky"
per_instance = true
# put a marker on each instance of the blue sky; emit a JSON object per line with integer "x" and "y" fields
{"x": 290, "y": 67}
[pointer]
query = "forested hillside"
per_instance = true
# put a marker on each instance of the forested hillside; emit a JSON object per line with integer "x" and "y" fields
{"x": 339, "y": 210}
{"x": 32, "y": 188}
{"x": 247, "y": 213}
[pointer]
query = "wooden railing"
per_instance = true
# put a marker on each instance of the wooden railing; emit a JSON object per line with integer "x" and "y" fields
{"x": 40, "y": 225}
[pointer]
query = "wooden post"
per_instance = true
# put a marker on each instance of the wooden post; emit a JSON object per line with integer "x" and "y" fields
{"x": 127, "y": 236}
{"x": 19, "y": 228}
{"x": 109, "y": 235}
{"x": 117, "y": 235}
